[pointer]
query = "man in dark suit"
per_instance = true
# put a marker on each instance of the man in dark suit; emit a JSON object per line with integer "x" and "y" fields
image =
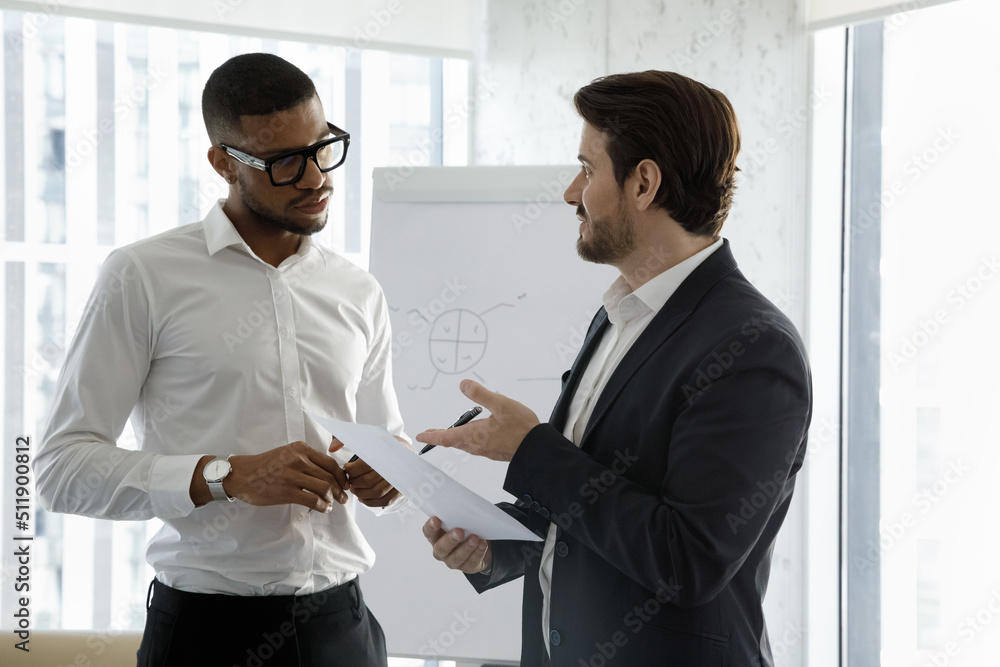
{"x": 667, "y": 466}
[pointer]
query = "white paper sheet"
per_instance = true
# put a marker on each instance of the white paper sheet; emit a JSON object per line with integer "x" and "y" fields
{"x": 429, "y": 489}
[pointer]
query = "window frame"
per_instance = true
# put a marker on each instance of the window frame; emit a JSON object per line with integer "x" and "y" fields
{"x": 861, "y": 306}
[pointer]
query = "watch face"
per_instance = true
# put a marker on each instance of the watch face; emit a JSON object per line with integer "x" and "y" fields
{"x": 217, "y": 469}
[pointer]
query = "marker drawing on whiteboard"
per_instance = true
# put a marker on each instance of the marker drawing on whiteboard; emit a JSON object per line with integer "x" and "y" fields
{"x": 457, "y": 341}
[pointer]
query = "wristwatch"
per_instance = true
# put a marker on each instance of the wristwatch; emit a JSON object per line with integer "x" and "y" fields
{"x": 215, "y": 472}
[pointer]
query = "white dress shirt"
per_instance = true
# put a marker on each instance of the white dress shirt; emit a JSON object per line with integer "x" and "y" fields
{"x": 213, "y": 351}
{"x": 629, "y": 312}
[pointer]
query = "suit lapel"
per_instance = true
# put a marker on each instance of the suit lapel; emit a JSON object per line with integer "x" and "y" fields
{"x": 675, "y": 311}
{"x": 590, "y": 343}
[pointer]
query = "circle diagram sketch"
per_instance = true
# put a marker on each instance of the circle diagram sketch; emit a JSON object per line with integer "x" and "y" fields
{"x": 457, "y": 341}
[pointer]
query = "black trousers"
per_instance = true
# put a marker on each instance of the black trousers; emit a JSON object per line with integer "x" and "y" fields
{"x": 332, "y": 628}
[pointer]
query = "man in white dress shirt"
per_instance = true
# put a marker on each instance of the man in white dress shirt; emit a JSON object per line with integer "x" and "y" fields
{"x": 215, "y": 337}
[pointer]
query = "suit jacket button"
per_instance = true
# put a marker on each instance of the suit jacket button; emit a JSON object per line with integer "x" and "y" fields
{"x": 535, "y": 506}
{"x": 554, "y": 638}
{"x": 526, "y": 499}
{"x": 562, "y": 549}
{"x": 544, "y": 512}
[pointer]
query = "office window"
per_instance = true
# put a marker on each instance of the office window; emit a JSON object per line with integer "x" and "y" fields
{"x": 922, "y": 270}
{"x": 104, "y": 144}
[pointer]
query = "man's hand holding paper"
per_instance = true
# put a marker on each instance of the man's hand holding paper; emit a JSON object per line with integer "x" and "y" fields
{"x": 427, "y": 487}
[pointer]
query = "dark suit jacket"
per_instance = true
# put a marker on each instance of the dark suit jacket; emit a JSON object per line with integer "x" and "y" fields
{"x": 668, "y": 510}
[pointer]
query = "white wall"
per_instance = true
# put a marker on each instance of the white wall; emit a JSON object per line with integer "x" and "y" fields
{"x": 536, "y": 53}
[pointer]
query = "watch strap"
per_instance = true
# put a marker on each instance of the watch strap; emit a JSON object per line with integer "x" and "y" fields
{"x": 215, "y": 487}
{"x": 219, "y": 493}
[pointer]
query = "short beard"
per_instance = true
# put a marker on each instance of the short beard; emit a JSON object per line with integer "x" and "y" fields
{"x": 280, "y": 222}
{"x": 610, "y": 239}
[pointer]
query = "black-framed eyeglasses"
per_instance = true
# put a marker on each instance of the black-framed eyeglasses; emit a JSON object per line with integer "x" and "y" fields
{"x": 288, "y": 168}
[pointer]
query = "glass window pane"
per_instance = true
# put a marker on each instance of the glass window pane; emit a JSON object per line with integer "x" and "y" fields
{"x": 138, "y": 112}
{"x": 940, "y": 289}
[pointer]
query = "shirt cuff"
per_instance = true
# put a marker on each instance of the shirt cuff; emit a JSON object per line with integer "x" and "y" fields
{"x": 170, "y": 485}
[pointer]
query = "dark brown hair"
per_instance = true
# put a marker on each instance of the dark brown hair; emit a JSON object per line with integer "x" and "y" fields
{"x": 687, "y": 128}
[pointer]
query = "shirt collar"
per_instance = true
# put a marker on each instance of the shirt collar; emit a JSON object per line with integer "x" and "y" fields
{"x": 221, "y": 233}
{"x": 625, "y": 305}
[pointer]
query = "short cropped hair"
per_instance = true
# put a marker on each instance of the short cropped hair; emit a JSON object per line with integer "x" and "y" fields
{"x": 687, "y": 128}
{"x": 252, "y": 84}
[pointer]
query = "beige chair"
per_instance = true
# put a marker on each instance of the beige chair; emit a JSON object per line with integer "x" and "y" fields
{"x": 72, "y": 648}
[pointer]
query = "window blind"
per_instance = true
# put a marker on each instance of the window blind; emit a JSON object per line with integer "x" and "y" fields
{"x": 438, "y": 27}
{"x": 827, "y": 13}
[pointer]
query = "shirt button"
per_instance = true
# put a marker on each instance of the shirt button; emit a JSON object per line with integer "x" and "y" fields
{"x": 562, "y": 549}
{"x": 290, "y": 391}
{"x": 554, "y": 638}
{"x": 302, "y": 517}
{"x": 284, "y": 331}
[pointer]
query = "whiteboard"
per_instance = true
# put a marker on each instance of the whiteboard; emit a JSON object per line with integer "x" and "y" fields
{"x": 480, "y": 271}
